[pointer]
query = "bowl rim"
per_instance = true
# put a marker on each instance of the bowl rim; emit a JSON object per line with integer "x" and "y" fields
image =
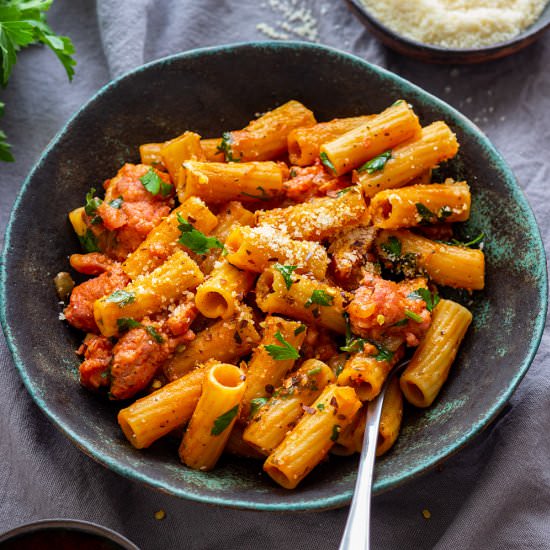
{"x": 324, "y": 502}
{"x": 483, "y": 53}
{"x": 70, "y": 524}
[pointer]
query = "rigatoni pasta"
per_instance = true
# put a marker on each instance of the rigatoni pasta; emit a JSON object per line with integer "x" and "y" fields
{"x": 254, "y": 290}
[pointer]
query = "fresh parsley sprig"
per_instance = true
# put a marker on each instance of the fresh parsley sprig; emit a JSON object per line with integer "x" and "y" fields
{"x": 376, "y": 164}
{"x": 286, "y": 271}
{"x": 431, "y": 298}
{"x": 22, "y": 23}
{"x": 155, "y": 184}
{"x": 319, "y": 297}
{"x": 283, "y": 352}
{"x": 194, "y": 239}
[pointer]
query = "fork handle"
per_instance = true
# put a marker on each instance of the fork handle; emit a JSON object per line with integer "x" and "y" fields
{"x": 357, "y": 532}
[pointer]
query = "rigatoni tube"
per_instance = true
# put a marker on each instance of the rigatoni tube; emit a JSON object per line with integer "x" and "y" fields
{"x": 429, "y": 367}
{"x": 381, "y": 133}
{"x": 164, "y": 410}
{"x": 316, "y": 432}
{"x": 213, "y": 419}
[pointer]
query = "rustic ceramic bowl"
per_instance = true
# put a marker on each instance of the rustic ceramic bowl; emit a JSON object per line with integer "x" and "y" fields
{"x": 216, "y": 89}
{"x": 438, "y": 54}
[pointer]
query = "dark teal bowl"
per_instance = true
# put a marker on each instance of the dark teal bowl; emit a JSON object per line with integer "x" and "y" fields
{"x": 213, "y": 90}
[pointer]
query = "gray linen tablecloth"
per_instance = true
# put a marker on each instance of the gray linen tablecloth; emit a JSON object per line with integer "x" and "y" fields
{"x": 493, "y": 495}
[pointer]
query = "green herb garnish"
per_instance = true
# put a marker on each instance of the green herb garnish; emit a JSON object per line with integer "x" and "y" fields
{"x": 319, "y": 297}
{"x": 335, "y": 432}
{"x": 126, "y": 323}
{"x": 321, "y": 406}
{"x": 92, "y": 203}
{"x": 284, "y": 352}
{"x": 154, "y": 334}
{"x": 468, "y": 244}
{"x": 392, "y": 247}
{"x": 155, "y": 184}
{"x": 256, "y": 404}
{"x": 89, "y": 241}
{"x": 225, "y": 148}
{"x": 353, "y": 343}
{"x": 286, "y": 271}
{"x": 326, "y": 162}
{"x": 194, "y": 239}
{"x": 376, "y": 164}
{"x": 400, "y": 323}
{"x": 314, "y": 371}
{"x": 427, "y": 216}
{"x": 414, "y": 316}
{"x": 121, "y": 298}
{"x": 224, "y": 420}
{"x": 263, "y": 196}
{"x": 299, "y": 330}
{"x": 431, "y": 299}
{"x": 383, "y": 353}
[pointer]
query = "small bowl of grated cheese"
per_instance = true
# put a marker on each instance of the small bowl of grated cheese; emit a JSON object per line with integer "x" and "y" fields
{"x": 455, "y": 31}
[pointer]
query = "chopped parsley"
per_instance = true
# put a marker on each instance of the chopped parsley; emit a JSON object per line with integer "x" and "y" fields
{"x": 431, "y": 299}
{"x": 155, "y": 184}
{"x": 414, "y": 316}
{"x": 116, "y": 203}
{"x": 314, "y": 371}
{"x": 92, "y": 203}
{"x": 121, "y": 298}
{"x": 195, "y": 240}
{"x": 335, "y": 432}
{"x": 89, "y": 241}
{"x": 383, "y": 353}
{"x": 427, "y": 216}
{"x": 319, "y": 297}
{"x": 353, "y": 344}
{"x": 224, "y": 420}
{"x": 293, "y": 173}
{"x": 344, "y": 191}
{"x": 398, "y": 102}
{"x": 154, "y": 334}
{"x": 299, "y": 330}
{"x": 321, "y": 406}
{"x": 286, "y": 271}
{"x": 392, "y": 247}
{"x": 468, "y": 244}
{"x": 262, "y": 196}
{"x": 376, "y": 164}
{"x": 400, "y": 323}
{"x": 126, "y": 323}
{"x": 256, "y": 404}
{"x": 225, "y": 148}
{"x": 327, "y": 163}
{"x": 284, "y": 352}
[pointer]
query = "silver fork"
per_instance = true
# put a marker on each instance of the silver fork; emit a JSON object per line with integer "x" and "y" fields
{"x": 357, "y": 532}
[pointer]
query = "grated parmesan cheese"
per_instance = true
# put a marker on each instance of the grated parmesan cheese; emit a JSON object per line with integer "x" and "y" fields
{"x": 457, "y": 23}
{"x": 295, "y": 17}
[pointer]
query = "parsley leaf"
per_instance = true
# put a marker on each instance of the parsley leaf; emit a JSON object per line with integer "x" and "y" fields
{"x": 153, "y": 333}
{"x": 335, "y": 432}
{"x": 224, "y": 420}
{"x": 225, "y": 148}
{"x": 471, "y": 243}
{"x": 376, "y": 164}
{"x": 414, "y": 316}
{"x": 321, "y": 406}
{"x": 92, "y": 203}
{"x": 89, "y": 242}
{"x": 299, "y": 330}
{"x": 327, "y": 162}
{"x": 400, "y": 323}
{"x": 194, "y": 239}
{"x": 263, "y": 196}
{"x": 353, "y": 344}
{"x": 286, "y": 271}
{"x": 314, "y": 371}
{"x": 319, "y": 297}
{"x": 284, "y": 352}
{"x": 427, "y": 216}
{"x": 345, "y": 190}
{"x": 256, "y": 404}
{"x": 121, "y": 298}
{"x": 155, "y": 184}
{"x": 22, "y": 23}
{"x": 383, "y": 353}
{"x": 431, "y": 299}
{"x": 126, "y": 323}
{"x": 392, "y": 247}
